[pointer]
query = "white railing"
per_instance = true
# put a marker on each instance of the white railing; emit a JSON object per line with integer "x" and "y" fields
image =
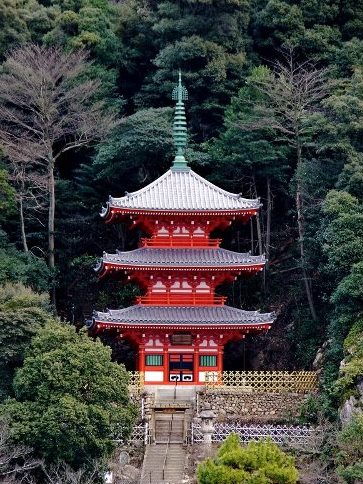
{"x": 279, "y": 434}
{"x": 140, "y": 435}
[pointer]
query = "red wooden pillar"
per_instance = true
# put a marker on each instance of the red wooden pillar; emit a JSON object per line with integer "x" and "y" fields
{"x": 196, "y": 361}
{"x": 220, "y": 357}
{"x": 141, "y": 365}
{"x": 166, "y": 359}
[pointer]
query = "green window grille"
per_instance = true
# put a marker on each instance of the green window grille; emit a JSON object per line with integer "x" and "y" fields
{"x": 154, "y": 360}
{"x": 208, "y": 360}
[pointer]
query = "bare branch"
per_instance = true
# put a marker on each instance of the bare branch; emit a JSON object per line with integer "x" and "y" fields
{"x": 45, "y": 111}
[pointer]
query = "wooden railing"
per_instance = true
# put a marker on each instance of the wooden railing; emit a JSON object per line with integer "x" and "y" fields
{"x": 262, "y": 381}
{"x": 136, "y": 380}
{"x": 181, "y": 300}
{"x": 180, "y": 242}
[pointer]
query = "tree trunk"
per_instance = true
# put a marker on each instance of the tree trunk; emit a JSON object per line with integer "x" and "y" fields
{"x": 22, "y": 226}
{"x": 258, "y": 222}
{"x": 252, "y": 236}
{"x": 51, "y": 216}
{"x": 259, "y": 234}
{"x": 268, "y": 222}
{"x": 300, "y": 224}
{"x": 268, "y": 233}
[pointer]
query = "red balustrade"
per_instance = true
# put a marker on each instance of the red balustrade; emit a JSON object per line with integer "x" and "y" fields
{"x": 180, "y": 242}
{"x": 168, "y": 299}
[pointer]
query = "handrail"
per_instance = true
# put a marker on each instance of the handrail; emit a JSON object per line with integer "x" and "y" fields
{"x": 176, "y": 382}
{"x": 177, "y": 241}
{"x": 167, "y": 446}
{"x": 181, "y": 299}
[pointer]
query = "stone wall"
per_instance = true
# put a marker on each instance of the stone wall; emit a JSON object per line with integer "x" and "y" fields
{"x": 253, "y": 407}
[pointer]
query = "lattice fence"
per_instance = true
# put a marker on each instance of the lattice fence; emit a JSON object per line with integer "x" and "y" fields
{"x": 136, "y": 380}
{"x": 140, "y": 435}
{"x": 262, "y": 381}
{"x": 280, "y": 434}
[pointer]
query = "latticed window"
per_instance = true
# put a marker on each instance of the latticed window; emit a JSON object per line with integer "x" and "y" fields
{"x": 208, "y": 360}
{"x": 154, "y": 360}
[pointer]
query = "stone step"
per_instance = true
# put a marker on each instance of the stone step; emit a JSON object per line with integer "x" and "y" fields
{"x": 154, "y": 460}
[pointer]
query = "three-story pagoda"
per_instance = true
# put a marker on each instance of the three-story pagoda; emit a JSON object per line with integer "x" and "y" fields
{"x": 180, "y": 326}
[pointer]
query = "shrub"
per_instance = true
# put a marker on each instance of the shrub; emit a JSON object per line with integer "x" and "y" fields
{"x": 260, "y": 462}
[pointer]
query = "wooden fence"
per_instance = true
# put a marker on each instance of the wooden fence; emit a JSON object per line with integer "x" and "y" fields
{"x": 262, "y": 381}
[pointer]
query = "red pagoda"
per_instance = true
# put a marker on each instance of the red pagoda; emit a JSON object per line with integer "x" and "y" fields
{"x": 180, "y": 325}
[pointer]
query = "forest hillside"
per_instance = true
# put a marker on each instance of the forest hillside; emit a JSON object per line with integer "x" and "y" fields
{"x": 275, "y": 110}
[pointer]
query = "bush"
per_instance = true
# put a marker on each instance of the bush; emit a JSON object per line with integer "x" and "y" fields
{"x": 22, "y": 313}
{"x": 260, "y": 462}
{"x": 350, "y": 457}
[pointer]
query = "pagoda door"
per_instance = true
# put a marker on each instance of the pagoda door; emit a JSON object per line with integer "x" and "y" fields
{"x": 181, "y": 367}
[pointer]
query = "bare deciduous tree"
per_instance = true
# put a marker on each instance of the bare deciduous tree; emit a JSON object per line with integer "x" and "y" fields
{"x": 64, "y": 474}
{"x": 16, "y": 461}
{"x": 45, "y": 111}
{"x": 293, "y": 91}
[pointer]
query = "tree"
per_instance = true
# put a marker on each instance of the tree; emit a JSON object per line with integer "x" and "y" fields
{"x": 16, "y": 461}
{"x": 45, "y": 112}
{"x": 206, "y": 39}
{"x": 258, "y": 463}
{"x": 69, "y": 398}
{"x": 294, "y": 92}
{"x": 313, "y": 29}
{"x": 140, "y": 149}
{"x": 252, "y": 159}
{"x": 22, "y": 313}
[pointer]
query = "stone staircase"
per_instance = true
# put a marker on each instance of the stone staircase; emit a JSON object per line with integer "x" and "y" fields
{"x": 165, "y": 459}
{"x": 169, "y": 428}
{"x": 176, "y": 395}
{"x": 163, "y": 464}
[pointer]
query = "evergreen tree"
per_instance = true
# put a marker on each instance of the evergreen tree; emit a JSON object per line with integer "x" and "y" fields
{"x": 70, "y": 399}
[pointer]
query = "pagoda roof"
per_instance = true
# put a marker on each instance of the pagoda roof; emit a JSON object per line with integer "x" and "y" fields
{"x": 182, "y": 190}
{"x": 183, "y": 316}
{"x": 151, "y": 258}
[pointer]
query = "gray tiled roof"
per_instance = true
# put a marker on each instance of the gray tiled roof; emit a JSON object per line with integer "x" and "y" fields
{"x": 181, "y": 257}
{"x": 139, "y": 315}
{"x": 182, "y": 190}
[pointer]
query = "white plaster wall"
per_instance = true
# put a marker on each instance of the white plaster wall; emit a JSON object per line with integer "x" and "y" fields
{"x": 154, "y": 375}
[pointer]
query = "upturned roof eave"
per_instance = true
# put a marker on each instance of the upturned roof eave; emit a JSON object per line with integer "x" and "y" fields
{"x": 220, "y": 267}
{"x": 108, "y": 211}
{"x": 233, "y": 317}
{"x": 225, "y": 325}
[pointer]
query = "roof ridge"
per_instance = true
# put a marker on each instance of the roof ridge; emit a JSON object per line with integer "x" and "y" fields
{"x": 147, "y": 187}
{"x": 217, "y": 188}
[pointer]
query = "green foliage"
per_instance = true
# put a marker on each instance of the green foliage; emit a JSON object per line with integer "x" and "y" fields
{"x": 352, "y": 370}
{"x": 140, "y": 148}
{"x": 207, "y": 40}
{"x": 350, "y": 457}
{"x": 22, "y": 313}
{"x": 17, "y": 266}
{"x": 70, "y": 397}
{"x": 343, "y": 233}
{"x": 257, "y": 463}
{"x": 7, "y": 196}
{"x": 240, "y": 151}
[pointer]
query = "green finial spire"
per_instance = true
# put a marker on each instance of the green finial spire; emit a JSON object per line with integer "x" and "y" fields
{"x": 180, "y": 94}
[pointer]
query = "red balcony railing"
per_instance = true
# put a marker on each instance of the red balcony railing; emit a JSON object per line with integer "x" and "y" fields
{"x": 180, "y": 242}
{"x": 181, "y": 300}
